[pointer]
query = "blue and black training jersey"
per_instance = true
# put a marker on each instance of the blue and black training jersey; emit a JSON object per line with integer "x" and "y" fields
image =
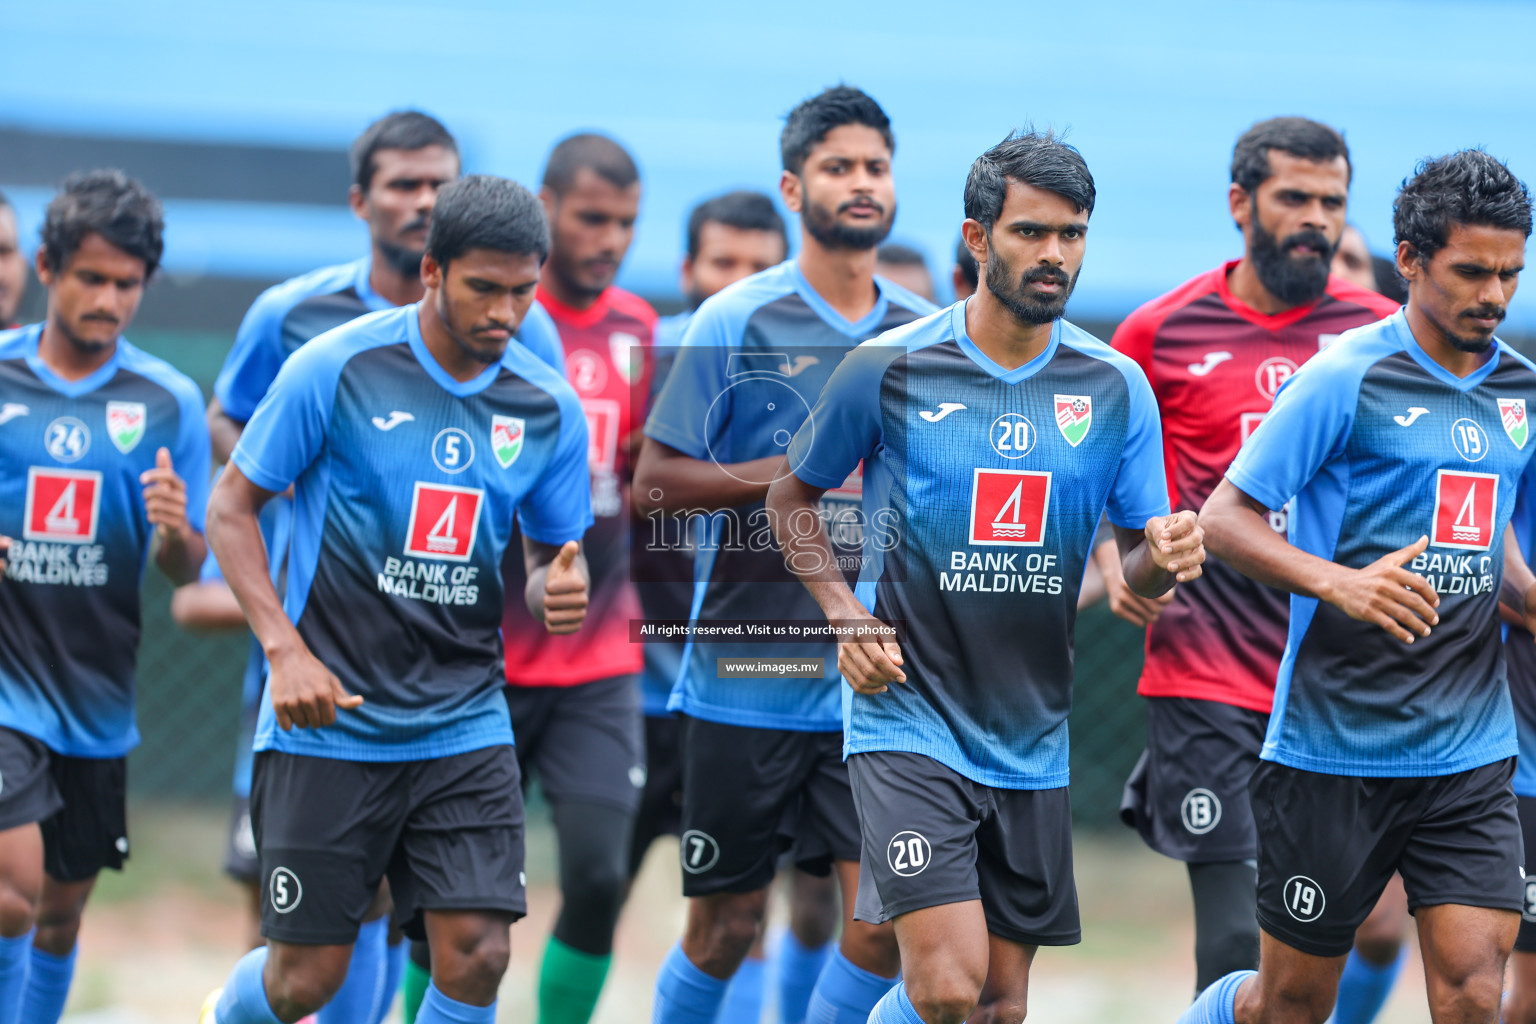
{"x": 71, "y": 453}
{"x": 289, "y": 314}
{"x": 405, "y": 485}
{"x": 983, "y": 489}
{"x": 1380, "y": 445}
{"x": 753, "y": 361}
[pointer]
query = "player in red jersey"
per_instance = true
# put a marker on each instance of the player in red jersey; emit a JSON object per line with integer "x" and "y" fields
{"x": 1216, "y": 349}
{"x": 575, "y": 699}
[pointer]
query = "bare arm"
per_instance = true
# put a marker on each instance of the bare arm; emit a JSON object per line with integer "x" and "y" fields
{"x": 666, "y": 480}
{"x": 304, "y": 692}
{"x": 179, "y": 549}
{"x": 1139, "y": 611}
{"x": 1168, "y": 550}
{"x": 558, "y": 580}
{"x": 224, "y": 431}
{"x": 1400, "y": 602}
{"x": 1515, "y": 604}
{"x": 868, "y": 665}
{"x": 206, "y": 606}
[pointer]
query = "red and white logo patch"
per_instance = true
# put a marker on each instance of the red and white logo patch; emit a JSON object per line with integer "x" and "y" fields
{"x": 1464, "y": 509}
{"x": 602, "y": 431}
{"x": 444, "y": 522}
{"x": 1010, "y": 506}
{"x": 62, "y": 505}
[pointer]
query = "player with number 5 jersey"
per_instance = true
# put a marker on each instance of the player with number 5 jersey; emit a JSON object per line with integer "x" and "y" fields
{"x": 384, "y": 745}
{"x": 1392, "y": 742}
{"x": 993, "y": 436}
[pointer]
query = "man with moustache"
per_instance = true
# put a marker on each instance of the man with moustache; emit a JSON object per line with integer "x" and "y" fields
{"x": 1216, "y": 350}
{"x": 762, "y": 755}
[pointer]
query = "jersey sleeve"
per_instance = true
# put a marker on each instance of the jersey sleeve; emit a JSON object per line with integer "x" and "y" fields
{"x": 540, "y": 336}
{"x": 680, "y": 417}
{"x": 1140, "y": 490}
{"x": 287, "y": 431}
{"x": 253, "y": 362}
{"x": 193, "y": 455}
{"x": 844, "y": 427}
{"x": 1307, "y": 427}
{"x": 558, "y": 507}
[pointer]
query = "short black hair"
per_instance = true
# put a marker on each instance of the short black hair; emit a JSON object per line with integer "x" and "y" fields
{"x": 482, "y": 211}
{"x": 809, "y": 123}
{"x": 402, "y": 129}
{"x": 1034, "y": 158}
{"x": 1298, "y": 136}
{"x": 967, "y": 264}
{"x": 1469, "y": 187}
{"x": 106, "y": 203}
{"x": 899, "y": 255}
{"x": 744, "y": 210}
{"x": 598, "y": 153}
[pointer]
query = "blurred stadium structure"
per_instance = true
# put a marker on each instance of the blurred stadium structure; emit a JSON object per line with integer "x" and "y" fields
{"x": 239, "y": 116}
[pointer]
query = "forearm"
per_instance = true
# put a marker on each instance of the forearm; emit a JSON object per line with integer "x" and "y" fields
{"x": 1238, "y": 534}
{"x": 802, "y": 535}
{"x": 674, "y": 482}
{"x": 236, "y": 536}
{"x": 1517, "y": 583}
{"x": 179, "y": 554}
{"x": 206, "y": 606}
{"x": 1142, "y": 574}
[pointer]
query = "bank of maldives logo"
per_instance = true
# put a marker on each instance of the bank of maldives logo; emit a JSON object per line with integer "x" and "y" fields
{"x": 444, "y": 522}
{"x": 1464, "y": 507}
{"x": 1009, "y": 507}
{"x": 1074, "y": 415}
{"x": 125, "y": 424}
{"x": 507, "y": 434}
{"x": 62, "y": 505}
{"x": 1512, "y": 415}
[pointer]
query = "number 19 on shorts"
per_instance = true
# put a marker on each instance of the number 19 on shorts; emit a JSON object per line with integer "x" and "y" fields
{"x": 1303, "y": 899}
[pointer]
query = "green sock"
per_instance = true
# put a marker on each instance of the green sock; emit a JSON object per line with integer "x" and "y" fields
{"x": 413, "y": 989}
{"x": 569, "y": 983}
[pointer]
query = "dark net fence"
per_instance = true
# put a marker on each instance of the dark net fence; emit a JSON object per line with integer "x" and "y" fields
{"x": 189, "y": 683}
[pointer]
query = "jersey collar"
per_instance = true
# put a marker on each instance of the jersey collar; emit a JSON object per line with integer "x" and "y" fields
{"x": 570, "y": 314}
{"x": 458, "y": 388}
{"x": 1268, "y": 321}
{"x": 69, "y": 388}
{"x": 1399, "y": 325}
{"x": 865, "y": 325}
{"x": 987, "y": 363}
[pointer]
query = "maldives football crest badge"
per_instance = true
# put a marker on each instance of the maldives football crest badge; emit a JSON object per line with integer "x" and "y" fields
{"x": 1512, "y": 415}
{"x": 1074, "y": 415}
{"x": 506, "y": 439}
{"x": 125, "y": 424}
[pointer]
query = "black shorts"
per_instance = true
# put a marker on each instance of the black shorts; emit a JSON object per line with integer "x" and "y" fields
{"x": 1188, "y": 795}
{"x": 751, "y": 794}
{"x": 583, "y": 742}
{"x": 1328, "y": 845}
{"x": 240, "y": 860}
{"x": 448, "y": 833}
{"x": 933, "y": 836}
{"x": 661, "y": 802}
{"x": 79, "y": 803}
{"x": 1525, "y": 941}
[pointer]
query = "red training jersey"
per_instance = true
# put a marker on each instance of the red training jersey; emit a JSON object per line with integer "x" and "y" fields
{"x": 1215, "y": 365}
{"x": 607, "y": 347}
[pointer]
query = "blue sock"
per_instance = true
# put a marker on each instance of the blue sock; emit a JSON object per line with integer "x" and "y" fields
{"x": 437, "y": 1008}
{"x": 245, "y": 995}
{"x": 355, "y": 1001}
{"x": 1216, "y": 1005}
{"x": 684, "y": 994}
{"x": 895, "y": 1008}
{"x": 1364, "y": 987}
{"x": 798, "y": 969}
{"x": 48, "y": 987}
{"x": 845, "y": 993}
{"x": 394, "y": 969}
{"x": 15, "y": 965}
{"x": 743, "y": 1003}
